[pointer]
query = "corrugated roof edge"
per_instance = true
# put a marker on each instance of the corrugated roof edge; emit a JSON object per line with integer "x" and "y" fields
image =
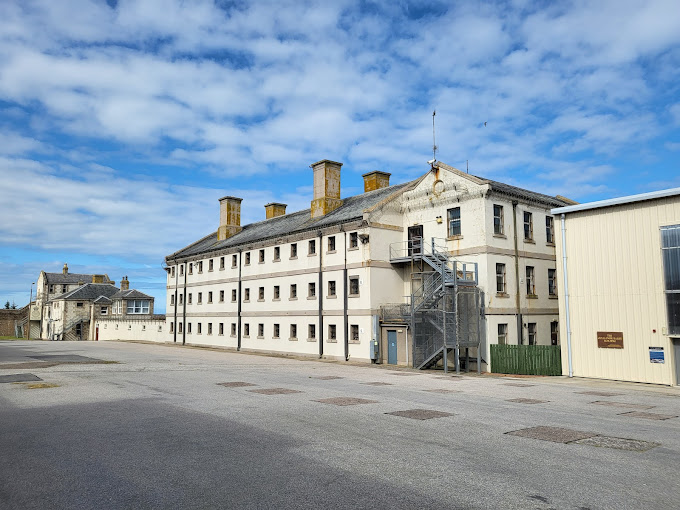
{"x": 653, "y": 195}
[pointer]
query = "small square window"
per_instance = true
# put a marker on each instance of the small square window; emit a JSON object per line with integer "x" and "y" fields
{"x": 277, "y": 253}
{"x": 354, "y": 286}
{"x": 331, "y": 243}
{"x": 354, "y": 332}
{"x": 312, "y": 247}
{"x": 293, "y": 250}
{"x": 276, "y": 331}
{"x": 331, "y": 288}
{"x": 261, "y": 256}
{"x": 353, "y": 240}
{"x": 79, "y": 305}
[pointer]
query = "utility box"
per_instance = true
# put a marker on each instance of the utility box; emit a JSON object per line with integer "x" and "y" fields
{"x": 375, "y": 350}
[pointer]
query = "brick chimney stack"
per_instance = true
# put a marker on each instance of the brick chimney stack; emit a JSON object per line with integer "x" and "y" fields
{"x": 376, "y": 180}
{"x": 230, "y": 217}
{"x": 65, "y": 269}
{"x": 125, "y": 283}
{"x": 275, "y": 209}
{"x": 326, "y": 187}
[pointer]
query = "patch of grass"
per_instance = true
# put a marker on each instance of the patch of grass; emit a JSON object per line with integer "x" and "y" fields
{"x": 34, "y": 386}
{"x": 10, "y": 338}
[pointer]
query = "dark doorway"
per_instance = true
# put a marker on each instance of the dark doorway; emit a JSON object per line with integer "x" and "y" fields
{"x": 415, "y": 240}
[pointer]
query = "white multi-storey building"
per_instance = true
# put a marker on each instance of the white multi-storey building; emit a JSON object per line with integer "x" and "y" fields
{"x": 314, "y": 282}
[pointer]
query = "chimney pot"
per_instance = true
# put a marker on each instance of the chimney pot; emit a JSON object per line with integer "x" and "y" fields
{"x": 65, "y": 269}
{"x": 275, "y": 209}
{"x": 376, "y": 180}
{"x": 326, "y": 187}
{"x": 230, "y": 217}
{"x": 125, "y": 283}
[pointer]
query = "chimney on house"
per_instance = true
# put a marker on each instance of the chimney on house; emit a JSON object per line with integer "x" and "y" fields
{"x": 376, "y": 180}
{"x": 230, "y": 217}
{"x": 125, "y": 283}
{"x": 65, "y": 269}
{"x": 97, "y": 278}
{"x": 326, "y": 187}
{"x": 275, "y": 209}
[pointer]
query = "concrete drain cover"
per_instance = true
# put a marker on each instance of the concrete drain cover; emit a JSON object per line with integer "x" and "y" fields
{"x": 378, "y": 383}
{"x": 442, "y": 390}
{"x": 519, "y": 385}
{"x": 620, "y": 404}
{"x": 448, "y": 377}
{"x": 421, "y": 414}
{"x": 527, "y": 401}
{"x": 554, "y": 434}
{"x": 648, "y": 416}
{"x": 63, "y": 357}
{"x": 599, "y": 393}
{"x": 328, "y": 377}
{"x": 619, "y": 443}
{"x": 275, "y": 391}
{"x": 235, "y": 384}
{"x": 401, "y": 373}
{"x": 346, "y": 401}
{"x": 19, "y": 378}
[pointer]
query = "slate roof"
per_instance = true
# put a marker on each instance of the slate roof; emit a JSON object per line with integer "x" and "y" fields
{"x": 103, "y": 299}
{"x": 130, "y": 294}
{"x": 352, "y": 208}
{"x": 532, "y": 196}
{"x": 70, "y": 278}
{"x": 89, "y": 292}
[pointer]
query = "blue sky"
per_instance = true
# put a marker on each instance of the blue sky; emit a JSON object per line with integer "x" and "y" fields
{"x": 122, "y": 122}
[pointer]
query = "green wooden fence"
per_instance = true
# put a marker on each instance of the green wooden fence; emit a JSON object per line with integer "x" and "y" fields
{"x": 526, "y": 359}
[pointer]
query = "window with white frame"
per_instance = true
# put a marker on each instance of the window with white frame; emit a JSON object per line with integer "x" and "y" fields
{"x": 532, "y": 333}
{"x": 500, "y": 278}
{"x": 531, "y": 284}
{"x": 552, "y": 282}
{"x": 453, "y": 217}
{"x": 137, "y": 306}
{"x": 528, "y": 226}
{"x": 331, "y": 243}
{"x": 312, "y": 332}
{"x": 353, "y": 285}
{"x": 293, "y": 251}
{"x": 502, "y": 334}
{"x": 554, "y": 333}
{"x": 353, "y": 240}
{"x": 498, "y": 223}
{"x": 549, "y": 230}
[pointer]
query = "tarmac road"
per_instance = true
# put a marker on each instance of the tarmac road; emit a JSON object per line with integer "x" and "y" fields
{"x": 158, "y": 430}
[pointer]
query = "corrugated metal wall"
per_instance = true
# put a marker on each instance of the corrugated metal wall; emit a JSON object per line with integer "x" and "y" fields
{"x": 615, "y": 274}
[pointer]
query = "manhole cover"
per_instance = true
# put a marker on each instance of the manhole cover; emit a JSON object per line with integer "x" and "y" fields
{"x": 599, "y": 393}
{"x": 235, "y": 384}
{"x": 519, "y": 385}
{"x": 63, "y": 357}
{"x": 527, "y": 401}
{"x": 328, "y": 377}
{"x": 401, "y": 373}
{"x": 620, "y": 404}
{"x": 275, "y": 391}
{"x": 442, "y": 390}
{"x": 378, "y": 383}
{"x": 618, "y": 443}
{"x": 346, "y": 401}
{"x": 648, "y": 416}
{"x": 421, "y": 414}
{"x": 19, "y": 378}
{"x": 554, "y": 434}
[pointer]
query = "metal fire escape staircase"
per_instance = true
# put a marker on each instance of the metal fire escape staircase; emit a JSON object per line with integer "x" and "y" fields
{"x": 445, "y": 304}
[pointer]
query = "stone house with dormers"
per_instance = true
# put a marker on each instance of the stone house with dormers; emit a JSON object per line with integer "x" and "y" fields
{"x": 316, "y": 282}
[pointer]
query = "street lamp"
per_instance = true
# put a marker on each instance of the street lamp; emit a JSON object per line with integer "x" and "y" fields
{"x": 30, "y": 299}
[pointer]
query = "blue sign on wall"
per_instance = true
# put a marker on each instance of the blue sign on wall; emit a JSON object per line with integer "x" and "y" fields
{"x": 656, "y": 355}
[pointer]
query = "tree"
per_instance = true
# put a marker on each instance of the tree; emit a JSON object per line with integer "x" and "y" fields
{"x": 7, "y": 305}
{"x": 14, "y": 305}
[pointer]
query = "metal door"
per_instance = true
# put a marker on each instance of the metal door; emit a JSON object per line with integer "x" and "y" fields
{"x": 415, "y": 240}
{"x": 391, "y": 347}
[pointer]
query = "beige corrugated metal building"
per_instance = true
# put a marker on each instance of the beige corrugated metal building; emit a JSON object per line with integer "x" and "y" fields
{"x": 620, "y": 296}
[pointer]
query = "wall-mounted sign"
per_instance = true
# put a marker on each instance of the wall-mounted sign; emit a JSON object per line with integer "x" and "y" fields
{"x": 610, "y": 339}
{"x": 656, "y": 355}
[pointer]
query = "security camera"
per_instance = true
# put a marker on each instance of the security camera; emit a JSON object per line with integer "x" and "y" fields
{"x": 431, "y": 161}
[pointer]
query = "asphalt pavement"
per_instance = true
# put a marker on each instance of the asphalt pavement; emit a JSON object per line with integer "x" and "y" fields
{"x": 127, "y": 425}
